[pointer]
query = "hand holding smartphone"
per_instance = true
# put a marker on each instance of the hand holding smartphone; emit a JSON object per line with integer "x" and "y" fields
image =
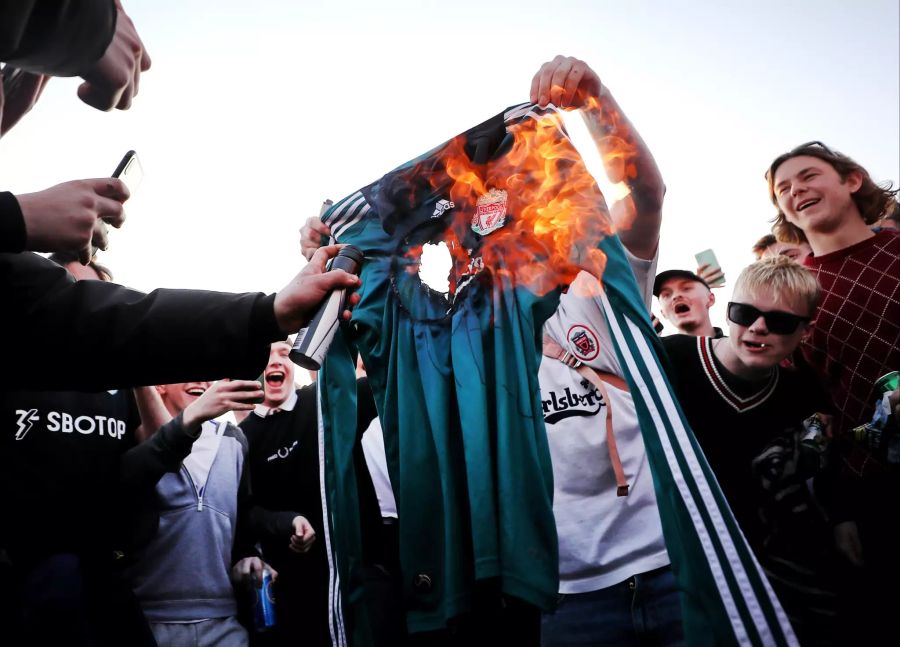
{"x": 708, "y": 268}
{"x": 130, "y": 172}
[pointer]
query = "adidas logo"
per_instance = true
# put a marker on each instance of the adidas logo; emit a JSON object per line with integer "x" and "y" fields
{"x": 440, "y": 207}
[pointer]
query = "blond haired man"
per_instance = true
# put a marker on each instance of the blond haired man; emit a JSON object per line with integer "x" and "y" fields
{"x": 748, "y": 414}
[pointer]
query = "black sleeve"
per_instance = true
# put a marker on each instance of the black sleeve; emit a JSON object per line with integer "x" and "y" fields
{"x": 266, "y": 523}
{"x": 100, "y": 335}
{"x": 244, "y": 544}
{"x": 272, "y": 524}
{"x": 56, "y": 37}
{"x": 12, "y": 224}
{"x": 677, "y": 354}
{"x": 142, "y": 466}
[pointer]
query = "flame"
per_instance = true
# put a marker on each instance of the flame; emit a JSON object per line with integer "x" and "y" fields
{"x": 555, "y": 213}
{"x": 619, "y": 153}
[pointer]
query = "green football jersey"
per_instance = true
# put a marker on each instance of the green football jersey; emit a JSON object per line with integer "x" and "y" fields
{"x": 455, "y": 382}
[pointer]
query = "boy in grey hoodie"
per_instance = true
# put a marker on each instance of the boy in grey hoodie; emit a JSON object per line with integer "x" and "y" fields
{"x": 182, "y": 574}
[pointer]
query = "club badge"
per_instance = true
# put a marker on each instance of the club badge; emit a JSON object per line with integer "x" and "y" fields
{"x": 583, "y": 342}
{"x": 490, "y": 212}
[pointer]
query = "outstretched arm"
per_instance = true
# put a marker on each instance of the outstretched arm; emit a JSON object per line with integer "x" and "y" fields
{"x": 119, "y": 338}
{"x": 570, "y": 83}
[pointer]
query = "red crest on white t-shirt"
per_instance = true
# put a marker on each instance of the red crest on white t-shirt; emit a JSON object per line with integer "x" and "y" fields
{"x": 583, "y": 342}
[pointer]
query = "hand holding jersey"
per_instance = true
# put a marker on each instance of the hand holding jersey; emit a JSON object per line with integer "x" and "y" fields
{"x": 565, "y": 82}
{"x": 311, "y": 234}
{"x": 626, "y": 158}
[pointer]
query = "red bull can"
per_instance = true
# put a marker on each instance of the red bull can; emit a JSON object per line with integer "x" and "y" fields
{"x": 887, "y": 383}
{"x": 264, "y": 606}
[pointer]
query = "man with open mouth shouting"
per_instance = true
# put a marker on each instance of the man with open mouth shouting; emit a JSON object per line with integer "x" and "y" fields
{"x": 287, "y": 510}
{"x": 685, "y": 299}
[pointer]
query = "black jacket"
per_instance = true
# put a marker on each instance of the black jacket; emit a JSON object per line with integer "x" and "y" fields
{"x": 91, "y": 335}
{"x": 59, "y": 468}
{"x": 55, "y": 37}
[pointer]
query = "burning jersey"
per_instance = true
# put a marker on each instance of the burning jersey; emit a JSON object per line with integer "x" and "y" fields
{"x": 455, "y": 380}
{"x": 454, "y": 376}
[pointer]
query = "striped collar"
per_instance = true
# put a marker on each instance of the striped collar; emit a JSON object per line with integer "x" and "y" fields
{"x": 738, "y": 403}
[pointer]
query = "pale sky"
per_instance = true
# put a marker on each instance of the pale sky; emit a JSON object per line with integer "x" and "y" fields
{"x": 254, "y": 112}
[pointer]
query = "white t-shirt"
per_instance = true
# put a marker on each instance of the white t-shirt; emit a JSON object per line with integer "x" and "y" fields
{"x": 376, "y": 461}
{"x": 203, "y": 452}
{"x": 603, "y": 538}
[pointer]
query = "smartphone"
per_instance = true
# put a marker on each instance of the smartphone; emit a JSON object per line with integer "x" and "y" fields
{"x": 262, "y": 380}
{"x": 708, "y": 257}
{"x": 130, "y": 171}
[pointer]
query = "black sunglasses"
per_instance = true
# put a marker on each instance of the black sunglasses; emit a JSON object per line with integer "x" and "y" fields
{"x": 793, "y": 153}
{"x": 778, "y": 322}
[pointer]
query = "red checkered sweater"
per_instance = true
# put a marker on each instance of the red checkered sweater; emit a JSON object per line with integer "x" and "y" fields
{"x": 856, "y": 336}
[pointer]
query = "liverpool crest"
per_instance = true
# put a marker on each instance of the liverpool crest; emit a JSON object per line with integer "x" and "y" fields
{"x": 583, "y": 342}
{"x": 490, "y": 212}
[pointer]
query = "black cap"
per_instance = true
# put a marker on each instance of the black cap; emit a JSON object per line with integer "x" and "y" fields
{"x": 662, "y": 277}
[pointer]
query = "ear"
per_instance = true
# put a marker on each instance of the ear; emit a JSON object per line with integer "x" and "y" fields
{"x": 712, "y": 300}
{"x": 161, "y": 389}
{"x": 854, "y": 181}
{"x": 807, "y": 329}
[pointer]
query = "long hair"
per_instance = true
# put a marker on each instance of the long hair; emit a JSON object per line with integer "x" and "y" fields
{"x": 872, "y": 200}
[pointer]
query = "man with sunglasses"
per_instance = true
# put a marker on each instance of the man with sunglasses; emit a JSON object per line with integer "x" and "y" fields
{"x": 828, "y": 200}
{"x": 748, "y": 414}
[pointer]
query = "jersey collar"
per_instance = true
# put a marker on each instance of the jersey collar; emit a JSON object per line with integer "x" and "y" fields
{"x": 288, "y": 405}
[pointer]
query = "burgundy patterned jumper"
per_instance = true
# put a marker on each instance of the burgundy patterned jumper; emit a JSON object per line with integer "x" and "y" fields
{"x": 856, "y": 335}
